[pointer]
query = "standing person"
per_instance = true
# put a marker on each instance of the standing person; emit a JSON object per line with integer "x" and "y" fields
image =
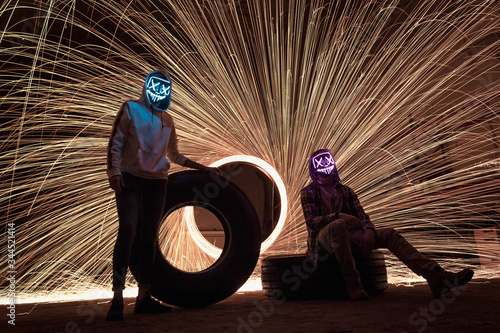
{"x": 337, "y": 223}
{"x": 142, "y": 145}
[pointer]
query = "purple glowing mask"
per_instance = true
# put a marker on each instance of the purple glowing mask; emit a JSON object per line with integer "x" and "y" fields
{"x": 323, "y": 163}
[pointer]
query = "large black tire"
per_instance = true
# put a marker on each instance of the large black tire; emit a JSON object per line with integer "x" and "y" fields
{"x": 241, "y": 246}
{"x": 296, "y": 277}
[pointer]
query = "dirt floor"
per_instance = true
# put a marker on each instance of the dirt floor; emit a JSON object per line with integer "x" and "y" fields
{"x": 471, "y": 308}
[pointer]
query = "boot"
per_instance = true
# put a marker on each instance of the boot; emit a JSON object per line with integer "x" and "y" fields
{"x": 441, "y": 281}
{"x": 355, "y": 291}
{"x": 115, "y": 311}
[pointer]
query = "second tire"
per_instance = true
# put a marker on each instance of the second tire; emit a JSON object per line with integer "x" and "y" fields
{"x": 297, "y": 277}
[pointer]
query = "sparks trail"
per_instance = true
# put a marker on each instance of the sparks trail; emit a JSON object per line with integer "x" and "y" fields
{"x": 404, "y": 93}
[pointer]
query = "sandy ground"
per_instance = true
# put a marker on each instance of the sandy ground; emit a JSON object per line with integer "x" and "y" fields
{"x": 471, "y": 308}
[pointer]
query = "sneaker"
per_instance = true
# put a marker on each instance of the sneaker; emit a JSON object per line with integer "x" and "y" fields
{"x": 441, "y": 281}
{"x": 150, "y": 305}
{"x": 115, "y": 311}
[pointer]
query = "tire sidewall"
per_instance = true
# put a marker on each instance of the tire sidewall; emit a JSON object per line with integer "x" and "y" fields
{"x": 241, "y": 247}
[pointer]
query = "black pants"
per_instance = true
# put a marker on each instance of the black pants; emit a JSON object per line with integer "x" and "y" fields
{"x": 338, "y": 239}
{"x": 140, "y": 210}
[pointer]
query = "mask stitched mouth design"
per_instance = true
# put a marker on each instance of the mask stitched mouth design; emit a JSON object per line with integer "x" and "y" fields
{"x": 158, "y": 89}
{"x": 323, "y": 163}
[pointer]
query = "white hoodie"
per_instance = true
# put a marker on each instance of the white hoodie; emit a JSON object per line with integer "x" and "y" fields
{"x": 142, "y": 138}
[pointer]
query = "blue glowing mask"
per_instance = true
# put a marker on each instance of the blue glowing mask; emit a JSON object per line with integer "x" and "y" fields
{"x": 158, "y": 90}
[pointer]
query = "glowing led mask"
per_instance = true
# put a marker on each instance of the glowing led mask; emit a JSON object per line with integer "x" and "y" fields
{"x": 158, "y": 90}
{"x": 323, "y": 162}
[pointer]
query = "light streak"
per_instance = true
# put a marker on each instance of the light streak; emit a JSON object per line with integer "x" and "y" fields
{"x": 275, "y": 177}
{"x": 405, "y": 95}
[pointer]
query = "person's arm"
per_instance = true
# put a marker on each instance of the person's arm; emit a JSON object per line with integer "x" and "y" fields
{"x": 117, "y": 139}
{"x": 174, "y": 155}
{"x": 314, "y": 220}
{"x": 358, "y": 211}
{"x": 172, "y": 149}
{"x": 195, "y": 165}
{"x": 368, "y": 243}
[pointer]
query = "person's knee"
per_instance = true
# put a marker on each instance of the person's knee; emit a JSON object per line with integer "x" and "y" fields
{"x": 389, "y": 235}
{"x": 391, "y": 231}
{"x": 394, "y": 233}
{"x": 387, "y": 231}
{"x": 336, "y": 227}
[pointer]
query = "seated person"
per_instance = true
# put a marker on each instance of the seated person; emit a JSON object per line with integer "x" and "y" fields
{"x": 337, "y": 223}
